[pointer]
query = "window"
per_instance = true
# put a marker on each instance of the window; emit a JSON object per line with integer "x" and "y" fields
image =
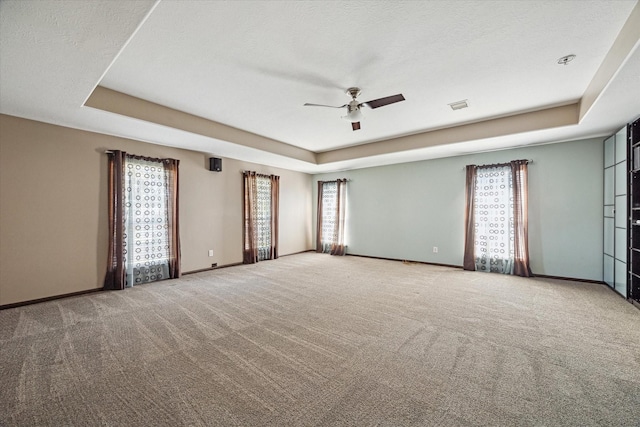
{"x": 496, "y": 219}
{"x": 263, "y": 218}
{"x": 146, "y": 221}
{"x": 493, "y": 213}
{"x": 144, "y": 244}
{"x": 331, "y": 216}
{"x": 328, "y": 225}
{"x": 260, "y": 217}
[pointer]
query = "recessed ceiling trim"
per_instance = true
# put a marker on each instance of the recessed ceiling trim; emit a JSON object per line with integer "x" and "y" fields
{"x": 628, "y": 39}
{"x": 130, "y": 106}
{"x": 121, "y": 103}
{"x": 526, "y": 122}
{"x": 133, "y": 34}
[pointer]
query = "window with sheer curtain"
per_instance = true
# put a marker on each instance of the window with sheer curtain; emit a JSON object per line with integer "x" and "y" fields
{"x": 263, "y": 217}
{"x": 143, "y": 220}
{"x": 261, "y": 199}
{"x": 146, "y": 221}
{"x": 496, "y": 219}
{"x": 331, "y": 216}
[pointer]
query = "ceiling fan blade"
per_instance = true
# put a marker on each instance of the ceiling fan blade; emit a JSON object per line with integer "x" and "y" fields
{"x": 322, "y": 105}
{"x": 381, "y": 102}
{"x": 355, "y": 125}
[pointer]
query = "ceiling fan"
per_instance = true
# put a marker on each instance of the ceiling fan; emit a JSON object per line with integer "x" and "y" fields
{"x": 354, "y": 115}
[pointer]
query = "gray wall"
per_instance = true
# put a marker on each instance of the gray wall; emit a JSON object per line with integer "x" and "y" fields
{"x": 403, "y": 211}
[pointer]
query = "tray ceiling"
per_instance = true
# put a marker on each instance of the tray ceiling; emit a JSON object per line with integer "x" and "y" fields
{"x": 231, "y": 78}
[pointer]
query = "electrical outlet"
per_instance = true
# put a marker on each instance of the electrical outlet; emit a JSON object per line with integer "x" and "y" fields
{"x": 210, "y": 252}
{"x": 435, "y": 249}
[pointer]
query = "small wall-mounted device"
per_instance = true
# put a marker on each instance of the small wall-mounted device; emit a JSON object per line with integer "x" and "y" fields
{"x": 215, "y": 164}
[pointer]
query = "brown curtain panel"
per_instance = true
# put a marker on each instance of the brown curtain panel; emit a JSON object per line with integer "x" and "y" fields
{"x": 521, "y": 265}
{"x": 173, "y": 216}
{"x": 115, "y": 276}
{"x": 319, "y": 219}
{"x": 250, "y": 236}
{"x": 469, "y": 262}
{"x": 337, "y": 248}
{"x": 275, "y": 220}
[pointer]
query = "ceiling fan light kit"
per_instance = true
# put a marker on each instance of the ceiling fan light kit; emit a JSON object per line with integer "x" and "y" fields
{"x": 354, "y": 114}
{"x": 354, "y": 108}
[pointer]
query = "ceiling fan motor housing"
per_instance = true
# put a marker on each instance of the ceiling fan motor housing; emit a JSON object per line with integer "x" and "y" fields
{"x": 353, "y": 92}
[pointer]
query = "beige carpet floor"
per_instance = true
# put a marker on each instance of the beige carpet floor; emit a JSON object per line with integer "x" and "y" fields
{"x": 316, "y": 340}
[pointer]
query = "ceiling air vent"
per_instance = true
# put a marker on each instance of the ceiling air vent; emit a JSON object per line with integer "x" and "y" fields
{"x": 459, "y": 105}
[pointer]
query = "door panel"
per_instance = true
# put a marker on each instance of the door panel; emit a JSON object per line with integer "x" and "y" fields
{"x": 608, "y": 270}
{"x": 609, "y": 231}
{"x": 621, "y": 278}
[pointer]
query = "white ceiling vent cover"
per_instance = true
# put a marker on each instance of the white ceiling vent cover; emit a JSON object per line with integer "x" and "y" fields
{"x": 459, "y": 105}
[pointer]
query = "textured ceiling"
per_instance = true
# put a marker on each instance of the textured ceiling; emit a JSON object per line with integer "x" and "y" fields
{"x": 252, "y": 65}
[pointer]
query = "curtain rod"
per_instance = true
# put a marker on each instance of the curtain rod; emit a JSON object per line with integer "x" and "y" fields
{"x": 529, "y": 161}
{"x": 260, "y": 173}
